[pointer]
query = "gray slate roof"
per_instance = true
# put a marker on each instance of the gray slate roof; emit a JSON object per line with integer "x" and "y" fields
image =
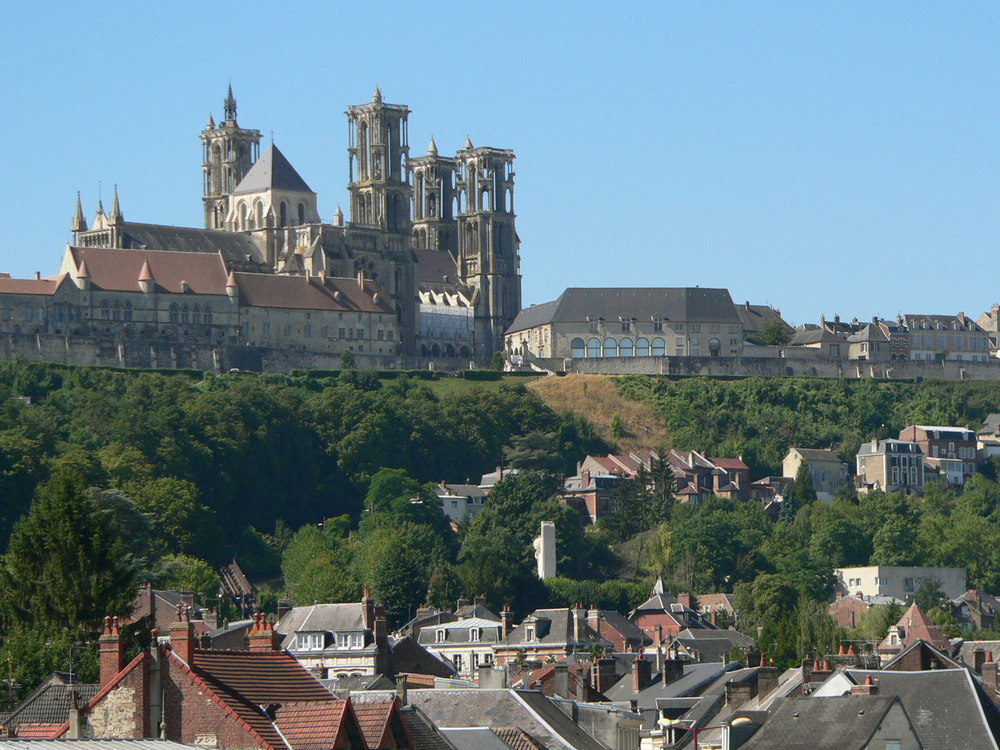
{"x": 272, "y": 171}
{"x": 528, "y": 710}
{"x": 553, "y": 627}
{"x": 48, "y": 703}
{"x": 842, "y": 723}
{"x": 695, "y": 678}
{"x": 947, "y": 708}
{"x": 325, "y": 618}
{"x": 235, "y": 246}
{"x": 889, "y": 446}
{"x": 682, "y": 304}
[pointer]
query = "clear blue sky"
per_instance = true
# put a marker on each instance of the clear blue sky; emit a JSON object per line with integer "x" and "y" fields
{"x": 821, "y": 157}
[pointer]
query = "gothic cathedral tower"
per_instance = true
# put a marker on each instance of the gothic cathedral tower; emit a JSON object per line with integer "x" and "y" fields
{"x": 434, "y": 200}
{"x": 487, "y": 241}
{"x": 378, "y": 151}
{"x": 228, "y": 152}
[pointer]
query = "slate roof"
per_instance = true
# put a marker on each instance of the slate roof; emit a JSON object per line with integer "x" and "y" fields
{"x": 553, "y": 627}
{"x": 458, "y": 631}
{"x": 528, "y": 710}
{"x": 814, "y": 336}
{"x": 436, "y": 267}
{"x": 310, "y": 293}
{"x": 947, "y": 708}
{"x": 817, "y": 454}
{"x": 48, "y": 703}
{"x": 272, "y": 171}
{"x": 843, "y": 723}
{"x": 753, "y": 316}
{"x": 694, "y": 679}
{"x": 327, "y": 618}
{"x": 423, "y": 734}
{"x": 991, "y": 425}
{"x": 236, "y": 247}
{"x": 889, "y": 446}
{"x": 118, "y": 270}
{"x": 682, "y": 304}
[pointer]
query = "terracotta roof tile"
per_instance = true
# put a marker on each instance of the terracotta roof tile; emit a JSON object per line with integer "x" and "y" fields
{"x": 38, "y": 731}
{"x": 373, "y": 718}
{"x": 30, "y": 286}
{"x": 120, "y": 270}
{"x": 314, "y": 725}
{"x": 311, "y": 293}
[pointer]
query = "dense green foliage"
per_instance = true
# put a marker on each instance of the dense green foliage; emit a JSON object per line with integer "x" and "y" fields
{"x": 761, "y": 418}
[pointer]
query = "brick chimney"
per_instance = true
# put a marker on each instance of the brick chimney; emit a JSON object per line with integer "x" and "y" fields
{"x": 262, "y": 636}
{"x": 641, "y": 673}
{"x": 868, "y": 688}
{"x": 594, "y": 619}
{"x": 381, "y": 631}
{"x": 767, "y": 677}
{"x": 182, "y": 635}
{"x": 506, "y": 618}
{"x": 284, "y": 607}
{"x": 112, "y": 650}
{"x": 584, "y": 479}
{"x": 368, "y": 609}
{"x": 684, "y": 599}
{"x": 602, "y": 674}
{"x": 989, "y": 673}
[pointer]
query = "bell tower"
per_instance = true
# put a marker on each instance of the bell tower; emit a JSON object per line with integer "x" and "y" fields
{"x": 228, "y": 152}
{"x": 434, "y": 201}
{"x": 487, "y": 241}
{"x": 378, "y": 151}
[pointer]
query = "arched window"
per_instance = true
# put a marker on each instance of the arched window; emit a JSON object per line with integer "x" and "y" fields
{"x": 207, "y": 314}
{"x": 576, "y": 348}
{"x": 127, "y": 311}
{"x": 116, "y": 311}
{"x": 625, "y": 347}
{"x": 174, "y": 314}
{"x": 243, "y": 216}
{"x": 258, "y": 214}
{"x": 464, "y": 351}
{"x": 449, "y": 351}
{"x": 610, "y": 348}
{"x": 302, "y": 213}
{"x": 659, "y": 347}
{"x": 105, "y": 311}
{"x": 714, "y": 347}
{"x": 642, "y": 347}
{"x": 435, "y": 350}
{"x": 593, "y": 348}
{"x": 196, "y": 315}
{"x": 184, "y": 314}
{"x": 283, "y": 214}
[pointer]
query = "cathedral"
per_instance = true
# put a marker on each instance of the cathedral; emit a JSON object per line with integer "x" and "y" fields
{"x": 433, "y": 234}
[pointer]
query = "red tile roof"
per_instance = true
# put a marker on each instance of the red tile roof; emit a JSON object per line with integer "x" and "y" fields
{"x": 38, "y": 731}
{"x": 379, "y": 720}
{"x": 311, "y": 293}
{"x": 916, "y": 626}
{"x": 120, "y": 270}
{"x": 317, "y": 725}
{"x": 261, "y": 677}
{"x": 30, "y": 286}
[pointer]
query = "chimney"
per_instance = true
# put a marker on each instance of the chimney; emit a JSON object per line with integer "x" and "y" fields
{"x": 641, "y": 673}
{"x": 381, "y": 642}
{"x": 38, "y": 275}
{"x": 479, "y": 601}
{"x": 112, "y": 650}
{"x": 868, "y": 688}
{"x": 499, "y": 473}
{"x": 739, "y": 692}
{"x": 368, "y": 609}
{"x": 594, "y": 619}
{"x": 182, "y": 635}
{"x": 578, "y": 615}
{"x": 584, "y": 478}
{"x": 581, "y": 682}
{"x": 492, "y": 679}
{"x": 767, "y": 679}
{"x": 462, "y": 602}
{"x": 401, "y": 689}
{"x": 74, "y": 716}
{"x": 262, "y": 635}
{"x": 684, "y": 599}
{"x": 284, "y": 607}
{"x": 561, "y": 679}
{"x": 505, "y": 621}
{"x": 603, "y": 674}
{"x": 673, "y": 668}
{"x": 989, "y": 673}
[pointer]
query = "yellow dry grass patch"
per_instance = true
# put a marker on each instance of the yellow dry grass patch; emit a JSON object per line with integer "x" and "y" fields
{"x": 595, "y": 397}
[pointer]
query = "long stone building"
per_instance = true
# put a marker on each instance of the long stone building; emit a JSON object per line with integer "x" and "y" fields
{"x": 425, "y": 268}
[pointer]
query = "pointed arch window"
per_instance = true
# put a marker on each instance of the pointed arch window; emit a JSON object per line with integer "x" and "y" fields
{"x": 127, "y": 312}
{"x": 283, "y": 214}
{"x": 302, "y": 213}
{"x": 175, "y": 316}
{"x": 116, "y": 311}
{"x": 184, "y": 314}
{"x": 196, "y": 315}
{"x": 207, "y": 315}
{"x": 105, "y": 311}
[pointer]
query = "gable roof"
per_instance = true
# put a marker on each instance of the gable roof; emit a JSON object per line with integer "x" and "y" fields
{"x": 381, "y": 721}
{"x": 436, "y": 267}
{"x": 113, "y": 269}
{"x": 915, "y": 626}
{"x": 842, "y": 723}
{"x": 311, "y": 293}
{"x": 946, "y": 707}
{"x": 272, "y": 171}
{"x": 683, "y": 304}
{"x": 318, "y": 725}
{"x": 235, "y": 247}
{"x": 48, "y": 705}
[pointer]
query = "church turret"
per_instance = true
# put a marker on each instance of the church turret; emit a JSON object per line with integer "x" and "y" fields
{"x": 487, "y": 240}
{"x": 116, "y": 212}
{"x": 228, "y": 152}
{"x": 79, "y": 224}
{"x": 433, "y": 179}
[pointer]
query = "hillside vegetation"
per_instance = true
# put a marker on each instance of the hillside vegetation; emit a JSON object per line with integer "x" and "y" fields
{"x": 760, "y": 418}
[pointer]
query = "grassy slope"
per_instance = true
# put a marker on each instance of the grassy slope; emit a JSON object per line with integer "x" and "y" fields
{"x": 595, "y": 397}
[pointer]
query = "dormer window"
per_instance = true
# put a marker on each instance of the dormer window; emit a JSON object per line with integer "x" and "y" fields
{"x": 440, "y": 635}
{"x": 475, "y": 634}
{"x": 310, "y": 642}
{"x": 353, "y": 640}
{"x": 529, "y": 633}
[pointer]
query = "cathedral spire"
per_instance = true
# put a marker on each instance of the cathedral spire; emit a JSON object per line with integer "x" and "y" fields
{"x": 79, "y": 223}
{"x": 230, "y": 104}
{"x": 116, "y": 211}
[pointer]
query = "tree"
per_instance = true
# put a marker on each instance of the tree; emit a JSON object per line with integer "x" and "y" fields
{"x": 186, "y": 573}
{"x": 772, "y": 332}
{"x": 65, "y": 566}
{"x": 347, "y": 360}
{"x": 804, "y": 490}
